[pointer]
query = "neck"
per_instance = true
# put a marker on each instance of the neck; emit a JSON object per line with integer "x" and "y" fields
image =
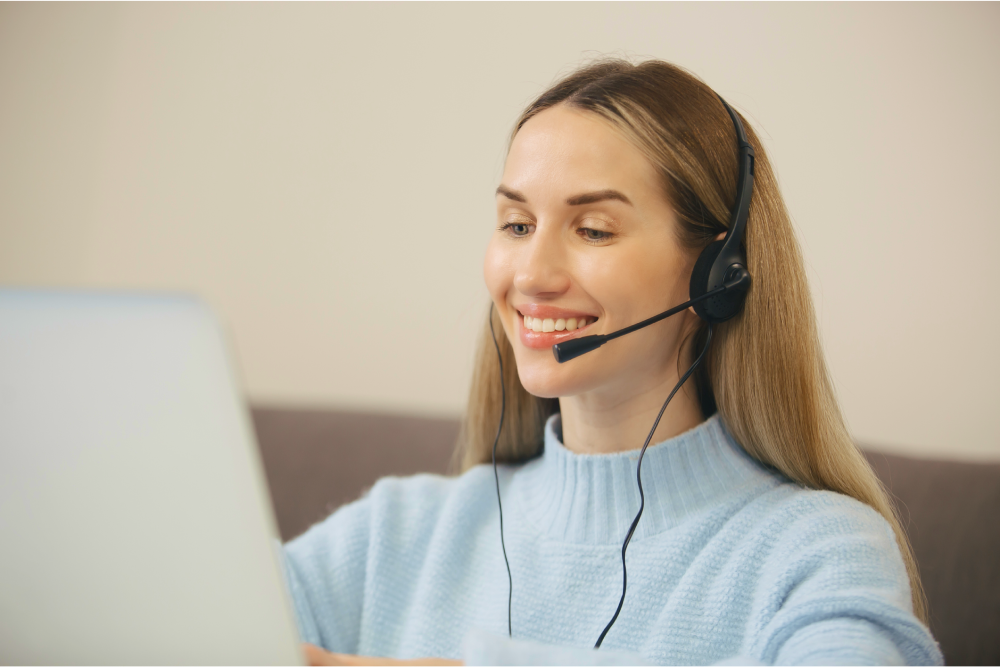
{"x": 602, "y": 423}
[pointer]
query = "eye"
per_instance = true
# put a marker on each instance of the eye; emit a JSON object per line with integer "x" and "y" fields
{"x": 516, "y": 228}
{"x": 594, "y": 234}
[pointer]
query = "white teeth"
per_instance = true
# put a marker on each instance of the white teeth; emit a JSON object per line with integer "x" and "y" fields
{"x": 551, "y": 324}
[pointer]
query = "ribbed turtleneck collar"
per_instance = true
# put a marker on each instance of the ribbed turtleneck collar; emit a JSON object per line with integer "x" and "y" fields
{"x": 593, "y": 498}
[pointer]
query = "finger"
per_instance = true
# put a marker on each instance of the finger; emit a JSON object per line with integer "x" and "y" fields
{"x": 365, "y": 660}
{"x": 315, "y": 656}
{"x": 345, "y": 659}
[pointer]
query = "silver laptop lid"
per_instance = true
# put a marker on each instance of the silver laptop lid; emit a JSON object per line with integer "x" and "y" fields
{"x": 135, "y": 521}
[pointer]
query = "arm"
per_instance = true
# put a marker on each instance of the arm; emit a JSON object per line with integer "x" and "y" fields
{"x": 325, "y": 568}
{"x": 484, "y": 650}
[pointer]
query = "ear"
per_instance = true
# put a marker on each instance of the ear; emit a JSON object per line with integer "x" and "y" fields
{"x": 718, "y": 237}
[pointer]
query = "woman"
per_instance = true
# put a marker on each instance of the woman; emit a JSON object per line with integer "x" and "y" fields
{"x": 764, "y": 536}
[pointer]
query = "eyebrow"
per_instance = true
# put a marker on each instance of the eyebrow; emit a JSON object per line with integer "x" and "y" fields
{"x": 601, "y": 195}
{"x": 578, "y": 200}
{"x": 511, "y": 194}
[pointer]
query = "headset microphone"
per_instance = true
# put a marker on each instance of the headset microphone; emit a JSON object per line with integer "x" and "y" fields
{"x": 738, "y": 279}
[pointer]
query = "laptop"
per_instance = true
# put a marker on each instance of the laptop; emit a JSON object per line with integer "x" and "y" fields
{"x": 135, "y": 521}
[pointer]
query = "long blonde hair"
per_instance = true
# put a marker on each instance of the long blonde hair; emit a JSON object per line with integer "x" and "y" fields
{"x": 765, "y": 373}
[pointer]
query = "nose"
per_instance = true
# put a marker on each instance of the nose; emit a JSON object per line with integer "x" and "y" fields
{"x": 541, "y": 271}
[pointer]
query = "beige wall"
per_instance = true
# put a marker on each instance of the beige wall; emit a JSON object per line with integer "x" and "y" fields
{"x": 323, "y": 175}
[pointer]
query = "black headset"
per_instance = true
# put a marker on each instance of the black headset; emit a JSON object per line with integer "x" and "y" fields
{"x": 720, "y": 281}
{"x": 723, "y": 263}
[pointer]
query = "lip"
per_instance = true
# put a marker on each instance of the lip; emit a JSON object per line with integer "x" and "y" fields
{"x": 538, "y": 310}
{"x": 539, "y": 340}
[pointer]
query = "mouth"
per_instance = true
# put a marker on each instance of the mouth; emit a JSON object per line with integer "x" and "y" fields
{"x": 547, "y": 329}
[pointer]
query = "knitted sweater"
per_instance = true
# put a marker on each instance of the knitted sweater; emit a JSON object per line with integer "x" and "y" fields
{"x": 730, "y": 562}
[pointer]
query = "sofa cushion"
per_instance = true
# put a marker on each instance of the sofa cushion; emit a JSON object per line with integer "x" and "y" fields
{"x": 951, "y": 512}
{"x": 317, "y": 460}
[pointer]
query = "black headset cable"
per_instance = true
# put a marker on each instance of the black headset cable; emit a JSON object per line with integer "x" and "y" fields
{"x": 496, "y": 476}
{"x": 638, "y": 477}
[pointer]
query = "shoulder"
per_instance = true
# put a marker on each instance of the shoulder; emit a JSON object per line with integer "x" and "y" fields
{"x": 417, "y": 494}
{"x": 795, "y": 519}
{"x": 404, "y": 508}
{"x": 822, "y": 550}
{"x": 774, "y": 517}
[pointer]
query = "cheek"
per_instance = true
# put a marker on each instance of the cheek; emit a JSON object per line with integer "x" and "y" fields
{"x": 497, "y": 271}
{"x": 630, "y": 284}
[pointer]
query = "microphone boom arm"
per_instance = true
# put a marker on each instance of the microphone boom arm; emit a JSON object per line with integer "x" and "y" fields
{"x": 571, "y": 349}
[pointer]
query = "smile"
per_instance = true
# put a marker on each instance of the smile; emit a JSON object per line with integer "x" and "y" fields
{"x": 542, "y": 332}
{"x": 547, "y": 325}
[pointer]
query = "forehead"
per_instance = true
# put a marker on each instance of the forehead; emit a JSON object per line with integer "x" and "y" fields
{"x": 570, "y": 149}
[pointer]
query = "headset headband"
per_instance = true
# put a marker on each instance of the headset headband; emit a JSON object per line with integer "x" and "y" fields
{"x": 744, "y": 190}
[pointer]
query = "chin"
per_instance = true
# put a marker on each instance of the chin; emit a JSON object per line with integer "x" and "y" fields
{"x": 547, "y": 378}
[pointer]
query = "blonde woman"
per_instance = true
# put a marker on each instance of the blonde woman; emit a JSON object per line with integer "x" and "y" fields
{"x": 764, "y": 537}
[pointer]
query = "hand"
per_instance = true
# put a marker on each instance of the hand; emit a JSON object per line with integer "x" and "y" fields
{"x": 317, "y": 656}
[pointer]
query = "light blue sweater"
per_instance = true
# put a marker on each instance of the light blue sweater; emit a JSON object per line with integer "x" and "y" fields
{"x": 731, "y": 561}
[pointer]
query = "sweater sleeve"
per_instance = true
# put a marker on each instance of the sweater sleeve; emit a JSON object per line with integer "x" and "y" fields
{"x": 842, "y": 641}
{"x": 837, "y": 641}
{"x": 325, "y": 568}
{"x": 481, "y": 649}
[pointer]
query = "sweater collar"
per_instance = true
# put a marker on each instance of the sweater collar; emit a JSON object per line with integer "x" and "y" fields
{"x": 593, "y": 498}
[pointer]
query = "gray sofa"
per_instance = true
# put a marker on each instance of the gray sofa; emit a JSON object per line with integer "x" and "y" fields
{"x": 317, "y": 460}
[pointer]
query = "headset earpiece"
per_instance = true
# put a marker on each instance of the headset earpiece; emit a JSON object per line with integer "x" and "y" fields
{"x": 712, "y": 271}
{"x": 699, "y": 276}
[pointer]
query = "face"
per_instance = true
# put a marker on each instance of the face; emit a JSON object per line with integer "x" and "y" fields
{"x": 586, "y": 238}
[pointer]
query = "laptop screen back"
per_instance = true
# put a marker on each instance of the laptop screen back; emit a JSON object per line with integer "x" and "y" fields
{"x": 135, "y": 522}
